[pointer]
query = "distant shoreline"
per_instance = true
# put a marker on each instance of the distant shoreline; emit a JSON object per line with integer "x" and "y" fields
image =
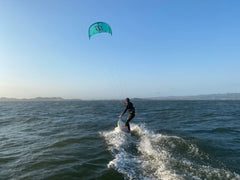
{"x": 33, "y": 99}
{"x": 227, "y": 96}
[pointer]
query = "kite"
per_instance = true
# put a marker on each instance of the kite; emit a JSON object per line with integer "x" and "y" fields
{"x": 99, "y": 27}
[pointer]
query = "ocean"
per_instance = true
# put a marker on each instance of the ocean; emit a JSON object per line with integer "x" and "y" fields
{"x": 73, "y": 140}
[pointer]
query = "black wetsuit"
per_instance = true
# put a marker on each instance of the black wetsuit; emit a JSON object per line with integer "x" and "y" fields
{"x": 131, "y": 110}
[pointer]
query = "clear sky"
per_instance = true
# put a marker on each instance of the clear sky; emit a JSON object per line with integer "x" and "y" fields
{"x": 158, "y": 48}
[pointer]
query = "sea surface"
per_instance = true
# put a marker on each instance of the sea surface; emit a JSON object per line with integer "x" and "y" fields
{"x": 80, "y": 140}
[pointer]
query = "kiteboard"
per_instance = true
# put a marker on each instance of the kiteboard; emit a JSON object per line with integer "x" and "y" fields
{"x": 122, "y": 126}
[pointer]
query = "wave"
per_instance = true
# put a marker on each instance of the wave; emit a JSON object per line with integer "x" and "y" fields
{"x": 226, "y": 130}
{"x": 148, "y": 155}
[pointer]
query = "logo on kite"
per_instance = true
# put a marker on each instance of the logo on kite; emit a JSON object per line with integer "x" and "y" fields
{"x": 99, "y": 27}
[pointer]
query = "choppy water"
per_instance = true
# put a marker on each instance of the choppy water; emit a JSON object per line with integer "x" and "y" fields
{"x": 81, "y": 140}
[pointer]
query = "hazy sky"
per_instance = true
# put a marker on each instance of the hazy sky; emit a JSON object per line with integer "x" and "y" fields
{"x": 158, "y": 48}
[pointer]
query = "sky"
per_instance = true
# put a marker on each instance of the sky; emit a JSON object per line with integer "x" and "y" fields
{"x": 158, "y": 48}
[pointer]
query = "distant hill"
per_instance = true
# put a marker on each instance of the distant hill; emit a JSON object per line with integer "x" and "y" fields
{"x": 33, "y": 99}
{"x": 228, "y": 96}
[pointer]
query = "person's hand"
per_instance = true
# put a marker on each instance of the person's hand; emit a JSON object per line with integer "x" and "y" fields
{"x": 120, "y": 116}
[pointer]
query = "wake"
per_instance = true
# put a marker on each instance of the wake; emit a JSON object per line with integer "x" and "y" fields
{"x": 146, "y": 155}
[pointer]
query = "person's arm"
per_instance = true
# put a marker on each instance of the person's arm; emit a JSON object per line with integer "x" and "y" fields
{"x": 124, "y": 111}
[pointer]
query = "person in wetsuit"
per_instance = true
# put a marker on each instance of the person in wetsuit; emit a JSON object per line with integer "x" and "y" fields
{"x": 131, "y": 110}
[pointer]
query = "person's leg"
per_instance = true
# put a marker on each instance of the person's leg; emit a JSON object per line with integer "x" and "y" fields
{"x": 130, "y": 117}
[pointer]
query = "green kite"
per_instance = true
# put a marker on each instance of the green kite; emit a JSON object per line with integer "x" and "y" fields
{"x": 99, "y": 27}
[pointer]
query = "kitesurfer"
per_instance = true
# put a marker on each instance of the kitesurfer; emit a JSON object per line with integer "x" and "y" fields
{"x": 130, "y": 108}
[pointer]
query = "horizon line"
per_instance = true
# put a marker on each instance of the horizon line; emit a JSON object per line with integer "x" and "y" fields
{"x": 93, "y": 99}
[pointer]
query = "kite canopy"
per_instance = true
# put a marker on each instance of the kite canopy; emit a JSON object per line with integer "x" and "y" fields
{"x": 99, "y": 27}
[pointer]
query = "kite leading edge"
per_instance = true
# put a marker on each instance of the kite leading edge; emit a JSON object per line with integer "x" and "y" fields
{"x": 99, "y": 27}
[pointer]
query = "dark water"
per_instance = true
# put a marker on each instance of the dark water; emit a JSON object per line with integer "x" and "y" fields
{"x": 81, "y": 140}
